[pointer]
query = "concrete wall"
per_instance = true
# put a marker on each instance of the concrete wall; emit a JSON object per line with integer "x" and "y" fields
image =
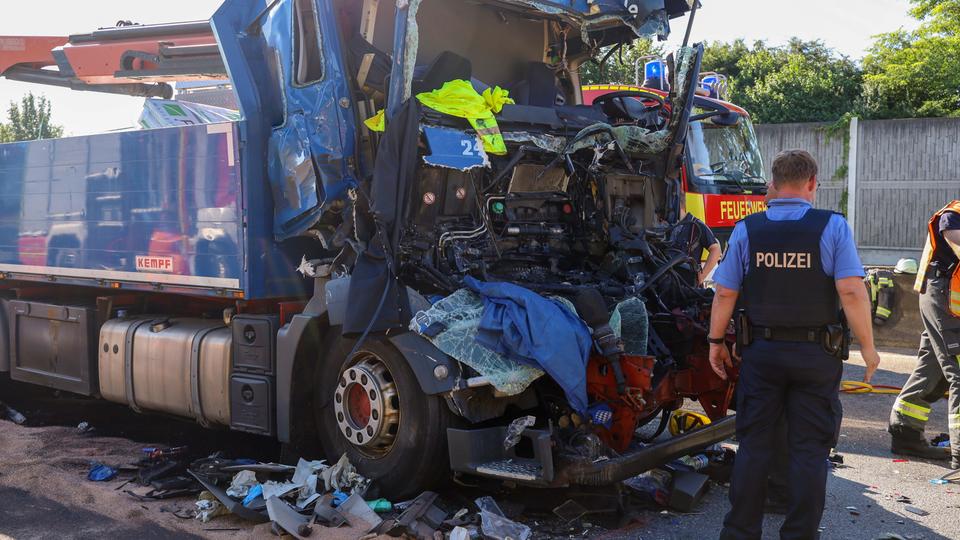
{"x": 903, "y": 171}
{"x": 810, "y": 137}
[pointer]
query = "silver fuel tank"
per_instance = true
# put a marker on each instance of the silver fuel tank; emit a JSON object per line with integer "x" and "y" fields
{"x": 176, "y": 366}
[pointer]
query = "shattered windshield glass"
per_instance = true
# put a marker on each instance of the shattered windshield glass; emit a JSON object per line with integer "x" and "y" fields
{"x": 725, "y": 155}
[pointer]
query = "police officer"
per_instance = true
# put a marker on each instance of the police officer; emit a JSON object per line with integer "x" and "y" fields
{"x": 795, "y": 267}
{"x": 938, "y": 360}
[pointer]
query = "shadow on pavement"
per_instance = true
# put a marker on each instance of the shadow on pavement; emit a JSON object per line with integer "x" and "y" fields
{"x": 24, "y": 515}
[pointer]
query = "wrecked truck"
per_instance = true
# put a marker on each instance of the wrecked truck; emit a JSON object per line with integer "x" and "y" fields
{"x": 480, "y": 278}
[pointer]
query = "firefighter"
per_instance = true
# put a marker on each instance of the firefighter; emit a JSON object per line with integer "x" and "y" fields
{"x": 795, "y": 267}
{"x": 692, "y": 232}
{"x": 938, "y": 360}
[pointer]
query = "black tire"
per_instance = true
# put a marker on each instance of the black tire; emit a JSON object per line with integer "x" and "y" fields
{"x": 417, "y": 458}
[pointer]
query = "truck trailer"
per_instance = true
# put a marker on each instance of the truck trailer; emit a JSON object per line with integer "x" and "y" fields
{"x": 400, "y": 287}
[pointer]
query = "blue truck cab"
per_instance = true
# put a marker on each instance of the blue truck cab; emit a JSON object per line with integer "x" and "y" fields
{"x": 267, "y": 274}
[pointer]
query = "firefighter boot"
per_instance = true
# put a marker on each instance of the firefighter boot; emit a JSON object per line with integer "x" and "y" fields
{"x": 910, "y": 442}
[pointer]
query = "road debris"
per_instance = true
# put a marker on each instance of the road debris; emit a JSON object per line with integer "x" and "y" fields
{"x": 241, "y": 484}
{"x": 12, "y": 414}
{"x": 515, "y": 430}
{"x": 916, "y": 510}
{"x": 208, "y": 507}
{"x": 497, "y": 526}
{"x": 359, "y": 515}
{"x": 100, "y": 472}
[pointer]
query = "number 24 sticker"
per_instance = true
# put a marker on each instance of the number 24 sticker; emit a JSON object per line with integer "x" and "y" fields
{"x": 471, "y": 148}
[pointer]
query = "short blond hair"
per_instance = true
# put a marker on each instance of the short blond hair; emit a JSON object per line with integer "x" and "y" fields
{"x": 793, "y": 167}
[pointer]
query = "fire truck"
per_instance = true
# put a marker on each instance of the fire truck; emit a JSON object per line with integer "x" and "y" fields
{"x": 722, "y": 176}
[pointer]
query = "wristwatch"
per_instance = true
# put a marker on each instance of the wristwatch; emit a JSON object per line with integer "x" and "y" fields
{"x": 716, "y": 341}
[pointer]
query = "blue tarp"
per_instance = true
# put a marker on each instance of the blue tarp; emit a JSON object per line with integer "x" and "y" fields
{"x": 538, "y": 332}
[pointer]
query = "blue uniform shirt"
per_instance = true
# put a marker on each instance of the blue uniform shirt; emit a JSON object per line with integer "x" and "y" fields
{"x": 837, "y": 249}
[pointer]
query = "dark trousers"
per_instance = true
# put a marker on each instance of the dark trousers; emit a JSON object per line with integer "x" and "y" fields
{"x": 938, "y": 366}
{"x": 800, "y": 381}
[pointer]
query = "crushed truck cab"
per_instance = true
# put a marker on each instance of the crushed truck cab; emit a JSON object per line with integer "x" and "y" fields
{"x": 415, "y": 235}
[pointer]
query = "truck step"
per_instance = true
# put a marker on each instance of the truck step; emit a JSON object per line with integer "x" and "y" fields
{"x": 524, "y": 470}
{"x": 480, "y": 452}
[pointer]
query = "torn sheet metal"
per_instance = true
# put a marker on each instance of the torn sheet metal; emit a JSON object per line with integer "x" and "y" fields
{"x": 454, "y": 149}
{"x": 288, "y": 519}
{"x": 632, "y": 139}
{"x": 359, "y": 514}
{"x": 411, "y": 46}
{"x": 545, "y": 141}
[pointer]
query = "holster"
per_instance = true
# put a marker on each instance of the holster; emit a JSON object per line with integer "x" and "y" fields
{"x": 743, "y": 329}
{"x": 836, "y": 340}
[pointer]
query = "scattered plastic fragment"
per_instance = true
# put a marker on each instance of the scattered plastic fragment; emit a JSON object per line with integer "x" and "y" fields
{"x": 84, "y": 427}
{"x": 338, "y": 498}
{"x": 515, "y": 430}
{"x": 380, "y": 506}
{"x": 252, "y": 494}
{"x": 277, "y": 489}
{"x": 357, "y": 512}
{"x": 459, "y": 533}
{"x": 939, "y": 481}
{"x": 343, "y": 476}
{"x": 853, "y": 510}
{"x": 570, "y": 511}
{"x": 496, "y": 526}
{"x": 241, "y": 483}
{"x": 12, "y": 414}
{"x": 208, "y": 507}
{"x": 100, "y": 472}
{"x": 901, "y": 461}
{"x": 942, "y": 440}
{"x": 916, "y": 510}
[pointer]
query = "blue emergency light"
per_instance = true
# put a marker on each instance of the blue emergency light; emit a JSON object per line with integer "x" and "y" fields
{"x": 653, "y": 74}
{"x": 709, "y": 83}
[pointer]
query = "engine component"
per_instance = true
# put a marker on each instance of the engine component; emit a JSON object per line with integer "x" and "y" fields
{"x": 630, "y": 407}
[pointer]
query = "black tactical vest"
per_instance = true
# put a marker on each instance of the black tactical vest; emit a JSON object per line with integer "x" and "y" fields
{"x": 785, "y": 286}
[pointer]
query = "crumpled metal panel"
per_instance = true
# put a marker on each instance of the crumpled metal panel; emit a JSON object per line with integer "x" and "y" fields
{"x": 309, "y": 151}
{"x": 644, "y": 17}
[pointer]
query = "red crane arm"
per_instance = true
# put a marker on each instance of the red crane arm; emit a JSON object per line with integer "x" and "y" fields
{"x": 121, "y": 60}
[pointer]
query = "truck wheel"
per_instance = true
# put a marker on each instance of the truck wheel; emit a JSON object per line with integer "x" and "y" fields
{"x": 373, "y": 409}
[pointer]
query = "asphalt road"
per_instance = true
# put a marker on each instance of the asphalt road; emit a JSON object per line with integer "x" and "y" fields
{"x": 43, "y": 492}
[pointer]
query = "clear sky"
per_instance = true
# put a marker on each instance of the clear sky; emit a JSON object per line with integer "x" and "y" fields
{"x": 845, "y": 25}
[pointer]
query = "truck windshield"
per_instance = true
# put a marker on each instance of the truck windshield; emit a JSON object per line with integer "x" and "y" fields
{"x": 724, "y": 155}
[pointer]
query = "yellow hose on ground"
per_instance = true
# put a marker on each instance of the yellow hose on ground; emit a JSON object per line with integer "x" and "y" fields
{"x": 860, "y": 387}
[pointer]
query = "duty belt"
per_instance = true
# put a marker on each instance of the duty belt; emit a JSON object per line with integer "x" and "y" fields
{"x": 800, "y": 335}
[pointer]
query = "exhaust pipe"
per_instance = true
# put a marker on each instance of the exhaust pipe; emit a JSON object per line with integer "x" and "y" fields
{"x": 649, "y": 457}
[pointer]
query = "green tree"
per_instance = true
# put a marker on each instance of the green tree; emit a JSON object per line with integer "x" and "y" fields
{"x": 916, "y": 74}
{"x": 621, "y": 66}
{"x": 29, "y": 120}
{"x": 802, "y": 81}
